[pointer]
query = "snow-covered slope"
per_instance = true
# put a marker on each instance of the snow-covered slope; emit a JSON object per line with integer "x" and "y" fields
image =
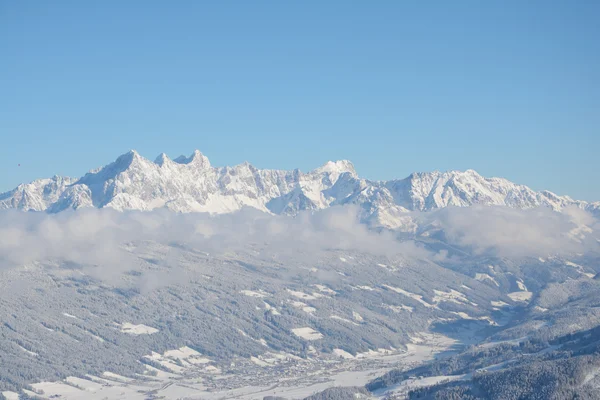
{"x": 191, "y": 184}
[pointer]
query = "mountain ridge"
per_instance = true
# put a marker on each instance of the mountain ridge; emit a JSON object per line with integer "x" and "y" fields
{"x": 192, "y": 184}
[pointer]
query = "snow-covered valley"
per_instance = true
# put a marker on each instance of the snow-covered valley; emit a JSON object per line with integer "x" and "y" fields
{"x": 292, "y": 284}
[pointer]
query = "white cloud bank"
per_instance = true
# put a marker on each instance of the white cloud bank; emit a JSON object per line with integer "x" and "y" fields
{"x": 98, "y": 236}
{"x": 510, "y": 232}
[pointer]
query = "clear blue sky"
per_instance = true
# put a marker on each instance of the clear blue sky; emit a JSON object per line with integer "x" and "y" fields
{"x": 508, "y": 88}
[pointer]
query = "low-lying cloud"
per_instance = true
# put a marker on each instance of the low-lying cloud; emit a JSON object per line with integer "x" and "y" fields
{"x": 96, "y": 236}
{"x": 99, "y": 237}
{"x": 510, "y": 232}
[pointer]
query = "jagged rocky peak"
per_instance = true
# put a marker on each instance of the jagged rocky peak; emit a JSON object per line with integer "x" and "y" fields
{"x": 248, "y": 166}
{"x": 197, "y": 158}
{"x": 337, "y": 167}
{"x": 124, "y": 161}
{"x": 162, "y": 159}
{"x": 130, "y": 156}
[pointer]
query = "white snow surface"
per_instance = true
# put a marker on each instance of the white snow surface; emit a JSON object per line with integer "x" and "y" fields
{"x": 304, "y": 307}
{"x": 302, "y": 295}
{"x": 521, "y": 285}
{"x": 452, "y": 296}
{"x": 343, "y": 354}
{"x": 416, "y": 297}
{"x": 520, "y": 296}
{"x": 141, "y": 329}
{"x": 252, "y": 293}
{"x": 307, "y": 333}
{"x": 346, "y": 320}
{"x": 484, "y": 277}
{"x": 399, "y": 308}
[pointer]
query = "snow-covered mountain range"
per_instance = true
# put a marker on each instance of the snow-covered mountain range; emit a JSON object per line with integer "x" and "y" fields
{"x": 191, "y": 184}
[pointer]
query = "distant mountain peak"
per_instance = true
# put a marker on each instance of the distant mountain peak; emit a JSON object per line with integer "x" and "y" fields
{"x": 127, "y": 157}
{"x": 161, "y": 159}
{"x": 196, "y": 158}
{"x": 337, "y": 167}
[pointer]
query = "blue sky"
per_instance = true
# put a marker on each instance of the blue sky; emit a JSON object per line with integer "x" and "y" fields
{"x": 508, "y": 88}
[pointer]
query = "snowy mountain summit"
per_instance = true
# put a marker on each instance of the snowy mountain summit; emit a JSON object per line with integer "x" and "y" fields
{"x": 192, "y": 184}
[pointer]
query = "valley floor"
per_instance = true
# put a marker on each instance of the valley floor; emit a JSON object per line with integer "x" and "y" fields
{"x": 288, "y": 377}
